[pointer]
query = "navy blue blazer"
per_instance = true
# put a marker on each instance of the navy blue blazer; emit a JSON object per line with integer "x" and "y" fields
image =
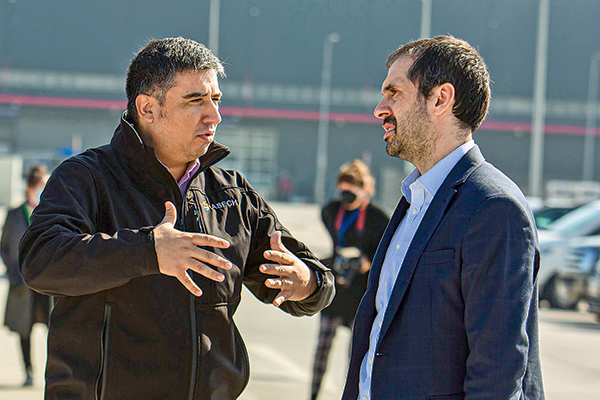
{"x": 462, "y": 322}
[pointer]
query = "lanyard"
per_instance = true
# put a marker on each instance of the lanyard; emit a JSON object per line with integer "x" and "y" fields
{"x": 27, "y": 214}
{"x": 344, "y": 221}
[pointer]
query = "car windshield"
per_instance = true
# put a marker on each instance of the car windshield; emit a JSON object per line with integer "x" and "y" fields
{"x": 545, "y": 216}
{"x": 583, "y": 221}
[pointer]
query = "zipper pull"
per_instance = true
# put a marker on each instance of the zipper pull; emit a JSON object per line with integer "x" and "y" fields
{"x": 196, "y": 217}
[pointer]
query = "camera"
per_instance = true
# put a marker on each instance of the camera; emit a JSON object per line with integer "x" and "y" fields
{"x": 347, "y": 264}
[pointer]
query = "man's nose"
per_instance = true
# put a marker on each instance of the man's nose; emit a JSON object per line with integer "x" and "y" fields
{"x": 213, "y": 116}
{"x": 382, "y": 110}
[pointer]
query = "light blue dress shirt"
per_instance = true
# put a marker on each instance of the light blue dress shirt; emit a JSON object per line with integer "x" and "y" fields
{"x": 419, "y": 190}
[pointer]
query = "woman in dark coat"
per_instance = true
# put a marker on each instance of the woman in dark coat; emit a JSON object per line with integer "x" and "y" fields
{"x": 356, "y": 227}
{"x": 24, "y": 307}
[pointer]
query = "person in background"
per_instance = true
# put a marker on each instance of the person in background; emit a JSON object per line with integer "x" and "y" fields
{"x": 24, "y": 307}
{"x": 355, "y": 226}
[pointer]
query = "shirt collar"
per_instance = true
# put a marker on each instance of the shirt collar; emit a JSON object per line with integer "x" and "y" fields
{"x": 435, "y": 176}
{"x": 191, "y": 170}
{"x": 192, "y": 167}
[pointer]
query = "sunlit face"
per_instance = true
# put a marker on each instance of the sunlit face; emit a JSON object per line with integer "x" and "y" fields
{"x": 360, "y": 192}
{"x": 188, "y": 119}
{"x": 408, "y": 131}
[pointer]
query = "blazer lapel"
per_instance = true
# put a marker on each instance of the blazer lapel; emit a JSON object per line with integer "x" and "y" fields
{"x": 387, "y": 238}
{"x": 366, "y": 312}
{"x": 428, "y": 225}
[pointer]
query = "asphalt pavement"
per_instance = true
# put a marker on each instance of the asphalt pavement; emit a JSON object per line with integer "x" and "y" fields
{"x": 281, "y": 347}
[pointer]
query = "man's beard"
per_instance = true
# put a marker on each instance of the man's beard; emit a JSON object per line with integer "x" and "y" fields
{"x": 413, "y": 139}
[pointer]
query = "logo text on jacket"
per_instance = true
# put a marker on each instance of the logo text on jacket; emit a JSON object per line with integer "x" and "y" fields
{"x": 217, "y": 206}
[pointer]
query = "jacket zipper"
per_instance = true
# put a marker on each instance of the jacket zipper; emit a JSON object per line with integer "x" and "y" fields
{"x": 101, "y": 381}
{"x": 195, "y": 337}
{"x": 193, "y": 326}
{"x": 194, "y": 347}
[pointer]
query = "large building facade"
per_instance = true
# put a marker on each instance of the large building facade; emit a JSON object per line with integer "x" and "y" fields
{"x": 63, "y": 64}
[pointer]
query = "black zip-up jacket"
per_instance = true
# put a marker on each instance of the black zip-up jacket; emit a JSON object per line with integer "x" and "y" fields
{"x": 120, "y": 329}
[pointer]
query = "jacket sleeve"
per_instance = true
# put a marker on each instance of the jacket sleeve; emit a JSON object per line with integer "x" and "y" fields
{"x": 266, "y": 224}
{"x": 9, "y": 246}
{"x": 498, "y": 282}
{"x": 63, "y": 254}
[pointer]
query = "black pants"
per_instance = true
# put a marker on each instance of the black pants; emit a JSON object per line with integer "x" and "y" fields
{"x": 26, "y": 350}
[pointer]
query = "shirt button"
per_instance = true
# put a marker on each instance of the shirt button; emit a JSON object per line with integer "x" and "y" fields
{"x": 415, "y": 211}
{"x": 380, "y": 324}
{"x": 370, "y": 361}
{"x": 398, "y": 246}
{"x": 364, "y": 398}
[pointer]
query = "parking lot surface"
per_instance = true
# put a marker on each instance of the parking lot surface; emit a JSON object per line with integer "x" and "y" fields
{"x": 281, "y": 347}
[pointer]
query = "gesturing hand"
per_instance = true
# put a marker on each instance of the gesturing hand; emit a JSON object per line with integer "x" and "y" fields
{"x": 177, "y": 252}
{"x": 294, "y": 279}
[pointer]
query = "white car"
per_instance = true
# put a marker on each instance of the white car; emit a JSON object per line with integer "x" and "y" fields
{"x": 562, "y": 234}
{"x": 579, "y": 267}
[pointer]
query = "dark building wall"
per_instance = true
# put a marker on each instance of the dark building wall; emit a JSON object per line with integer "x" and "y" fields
{"x": 281, "y": 42}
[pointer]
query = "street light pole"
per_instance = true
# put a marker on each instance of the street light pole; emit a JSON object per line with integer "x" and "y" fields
{"x": 426, "y": 18}
{"x": 325, "y": 100}
{"x": 213, "y": 26}
{"x": 536, "y": 159}
{"x": 589, "y": 143}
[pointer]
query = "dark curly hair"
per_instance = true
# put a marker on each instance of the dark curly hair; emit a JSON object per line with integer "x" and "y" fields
{"x": 446, "y": 59}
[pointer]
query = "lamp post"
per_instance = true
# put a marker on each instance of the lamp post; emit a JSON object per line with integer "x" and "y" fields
{"x": 213, "y": 26}
{"x": 426, "y": 18}
{"x": 589, "y": 142}
{"x": 536, "y": 159}
{"x": 324, "y": 101}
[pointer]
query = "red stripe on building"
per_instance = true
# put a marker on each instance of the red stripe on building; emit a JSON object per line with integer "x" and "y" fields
{"x": 272, "y": 113}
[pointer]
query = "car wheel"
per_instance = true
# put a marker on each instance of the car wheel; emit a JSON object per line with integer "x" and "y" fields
{"x": 561, "y": 294}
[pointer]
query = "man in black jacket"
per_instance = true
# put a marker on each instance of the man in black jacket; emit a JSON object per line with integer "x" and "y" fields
{"x": 145, "y": 244}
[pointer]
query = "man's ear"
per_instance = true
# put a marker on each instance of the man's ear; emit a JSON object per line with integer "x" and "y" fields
{"x": 146, "y": 108}
{"x": 442, "y": 99}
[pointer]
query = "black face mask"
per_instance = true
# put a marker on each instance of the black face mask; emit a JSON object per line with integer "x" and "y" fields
{"x": 347, "y": 197}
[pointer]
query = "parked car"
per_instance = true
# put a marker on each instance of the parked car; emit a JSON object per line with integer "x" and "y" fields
{"x": 547, "y": 215}
{"x": 572, "y": 277}
{"x": 562, "y": 234}
{"x": 593, "y": 292}
{"x": 548, "y": 211}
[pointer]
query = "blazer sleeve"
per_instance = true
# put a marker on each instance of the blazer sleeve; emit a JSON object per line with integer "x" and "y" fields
{"x": 498, "y": 286}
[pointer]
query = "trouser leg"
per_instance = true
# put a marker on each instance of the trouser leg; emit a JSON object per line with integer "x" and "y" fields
{"x": 26, "y": 351}
{"x": 328, "y": 326}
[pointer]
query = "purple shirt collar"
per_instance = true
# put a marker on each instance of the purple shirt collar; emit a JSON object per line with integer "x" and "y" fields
{"x": 192, "y": 168}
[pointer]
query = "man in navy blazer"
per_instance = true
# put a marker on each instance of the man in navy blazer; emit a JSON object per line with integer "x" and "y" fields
{"x": 451, "y": 309}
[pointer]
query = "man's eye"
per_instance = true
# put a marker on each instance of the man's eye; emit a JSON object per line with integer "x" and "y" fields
{"x": 217, "y": 100}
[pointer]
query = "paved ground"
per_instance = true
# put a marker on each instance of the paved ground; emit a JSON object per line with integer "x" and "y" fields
{"x": 281, "y": 347}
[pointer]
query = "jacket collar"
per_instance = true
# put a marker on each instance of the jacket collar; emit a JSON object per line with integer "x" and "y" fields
{"x": 127, "y": 141}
